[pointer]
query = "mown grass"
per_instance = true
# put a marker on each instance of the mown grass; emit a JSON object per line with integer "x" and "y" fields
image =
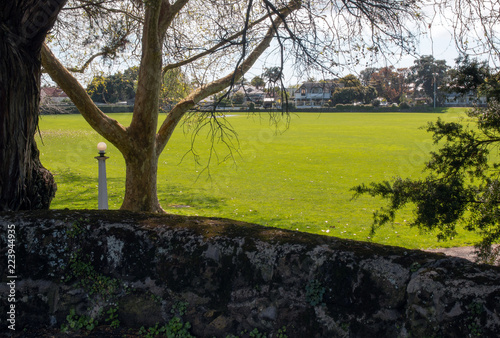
{"x": 295, "y": 176}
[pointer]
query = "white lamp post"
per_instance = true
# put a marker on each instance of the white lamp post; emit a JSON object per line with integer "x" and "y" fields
{"x": 103, "y": 189}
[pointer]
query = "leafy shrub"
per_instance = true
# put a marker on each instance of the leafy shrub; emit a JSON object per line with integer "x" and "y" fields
{"x": 404, "y": 105}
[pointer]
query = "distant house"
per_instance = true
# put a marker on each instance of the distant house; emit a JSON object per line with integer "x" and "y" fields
{"x": 383, "y": 101}
{"x": 250, "y": 93}
{"x": 52, "y": 95}
{"x": 268, "y": 102}
{"x": 315, "y": 94}
{"x": 245, "y": 93}
{"x": 463, "y": 100}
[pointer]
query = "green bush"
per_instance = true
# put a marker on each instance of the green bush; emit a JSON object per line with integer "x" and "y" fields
{"x": 404, "y": 105}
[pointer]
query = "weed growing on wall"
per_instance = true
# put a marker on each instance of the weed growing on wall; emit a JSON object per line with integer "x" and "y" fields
{"x": 112, "y": 318}
{"x": 314, "y": 292}
{"x": 75, "y": 322}
{"x": 89, "y": 279}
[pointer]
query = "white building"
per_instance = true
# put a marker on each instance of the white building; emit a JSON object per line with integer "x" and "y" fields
{"x": 250, "y": 93}
{"x": 315, "y": 94}
{"x": 52, "y": 95}
{"x": 464, "y": 100}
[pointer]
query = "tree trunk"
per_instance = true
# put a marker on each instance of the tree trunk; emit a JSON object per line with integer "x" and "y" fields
{"x": 140, "y": 143}
{"x": 140, "y": 184}
{"x": 24, "y": 183}
{"x": 140, "y": 156}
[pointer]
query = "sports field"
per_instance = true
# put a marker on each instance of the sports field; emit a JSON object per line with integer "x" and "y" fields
{"x": 294, "y": 177}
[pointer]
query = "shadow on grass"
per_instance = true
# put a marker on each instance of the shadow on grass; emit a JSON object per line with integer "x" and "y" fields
{"x": 74, "y": 190}
{"x": 80, "y": 191}
{"x": 177, "y": 197}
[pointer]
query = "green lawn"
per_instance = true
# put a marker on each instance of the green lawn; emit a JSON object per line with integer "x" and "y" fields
{"x": 294, "y": 178}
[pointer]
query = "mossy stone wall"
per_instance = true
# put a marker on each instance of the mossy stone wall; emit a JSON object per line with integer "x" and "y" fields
{"x": 231, "y": 277}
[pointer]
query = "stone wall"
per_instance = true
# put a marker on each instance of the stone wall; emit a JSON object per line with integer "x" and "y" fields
{"x": 228, "y": 278}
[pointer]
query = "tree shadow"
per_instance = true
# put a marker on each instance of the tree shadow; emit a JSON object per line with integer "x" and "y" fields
{"x": 80, "y": 191}
{"x": 173, "y": 196}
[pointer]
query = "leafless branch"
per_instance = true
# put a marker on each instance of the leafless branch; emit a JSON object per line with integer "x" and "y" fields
{"x": 86, "y": 64}
{"x": 221, "y": 45}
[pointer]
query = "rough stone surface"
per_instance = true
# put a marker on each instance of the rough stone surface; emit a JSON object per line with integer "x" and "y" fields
{"x": 232, "y": 276}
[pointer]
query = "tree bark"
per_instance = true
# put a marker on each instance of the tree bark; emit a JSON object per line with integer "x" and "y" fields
{"x": 140, "y": 143}
{"x": 24, "y": 183}
{"x": 140, "y": 183}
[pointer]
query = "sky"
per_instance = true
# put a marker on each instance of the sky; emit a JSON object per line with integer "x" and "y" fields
{"x": 441, "y": 46}
{"x": 437, "y": 41}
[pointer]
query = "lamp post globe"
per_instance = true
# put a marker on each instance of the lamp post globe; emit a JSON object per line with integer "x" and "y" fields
{"x": 102, "y": 187}
{"x": 101, "y": 147}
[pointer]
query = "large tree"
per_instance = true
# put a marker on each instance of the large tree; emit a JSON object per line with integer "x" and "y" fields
{"x": 209, "y": 38}
{"x": 468, "y": 75}
{"x": 352, "y": 91}
{"x": 429, "y": 73}
{"x": 389, "y": 83}
{"x": 24, "y": 182}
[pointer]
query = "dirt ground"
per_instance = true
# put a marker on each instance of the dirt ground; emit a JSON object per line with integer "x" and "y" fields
{"x": 466, "y": 252}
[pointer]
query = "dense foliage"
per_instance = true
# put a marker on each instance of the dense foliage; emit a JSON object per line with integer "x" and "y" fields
{"x": 389, "y": 83}
{"x": 352, "y": 91}
{"x": 462, "y": 185}
{"x": 428, "y": 73}
{"x": 114, "y": 88}
{"x": 469, "y": 74}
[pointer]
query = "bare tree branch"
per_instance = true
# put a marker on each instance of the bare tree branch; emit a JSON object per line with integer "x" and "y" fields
{"x": 103, "y": 124}
{"x": 86, "y": 64}
{"x": 170, "y": 11}
{"x": 100, "y": 5}
{"x": 203, "y": 92}
{"x": 216, "y": 47}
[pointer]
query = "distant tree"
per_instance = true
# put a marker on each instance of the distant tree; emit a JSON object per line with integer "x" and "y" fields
{"x": 365, "y": 76}
{"x": 258, "y": 82}
{"x": 114, "y": 88}
{"x": 347, "y": 95}
{"x": 369, "y": 94}
{"x": 175, "y": 86}
{"x": 122, "y": 86}
{"x": 405, "y": 83}
{"x": 468, "y": 75}
{"x": 238, "y": 98}
{"x": 491, "y": 87}
{"x": 388, "y": 83}
{"x": 350, "y": 81}
{"x": 272, "y": 77}
{"x": 131, "y": 74}
{"x": 353, "y": 91}
{"x": 429, "y": 74}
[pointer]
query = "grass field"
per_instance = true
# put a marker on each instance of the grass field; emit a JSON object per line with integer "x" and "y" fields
{"x": 294, "y": 178}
